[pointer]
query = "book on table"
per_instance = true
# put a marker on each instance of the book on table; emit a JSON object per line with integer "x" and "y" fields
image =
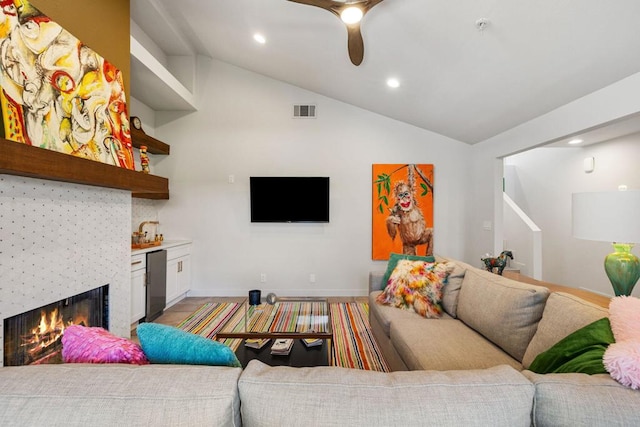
{"x": 282, "y": 346}
{"x": 311, "y": 342}
{"x": 256, "y": 343}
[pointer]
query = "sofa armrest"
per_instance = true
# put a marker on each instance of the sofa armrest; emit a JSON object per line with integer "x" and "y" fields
{"x": 581, "y": 399}
{"x": 375, "y": 281}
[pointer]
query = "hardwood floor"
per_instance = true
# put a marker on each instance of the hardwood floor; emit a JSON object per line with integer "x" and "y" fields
{"x": 592, "y": 297}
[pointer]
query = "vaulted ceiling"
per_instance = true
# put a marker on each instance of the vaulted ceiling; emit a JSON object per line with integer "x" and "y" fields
{"x": 457, "y": 78}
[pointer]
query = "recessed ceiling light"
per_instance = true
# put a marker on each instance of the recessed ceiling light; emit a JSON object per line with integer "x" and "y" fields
{"x": 259, "y": 38}
{"x": 351, "y": 15}
{"x": 393, "y": 82}
{"x": 576, "y": 141}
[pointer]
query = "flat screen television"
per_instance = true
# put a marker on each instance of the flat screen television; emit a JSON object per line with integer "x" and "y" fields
{"x": 289, "y": 199}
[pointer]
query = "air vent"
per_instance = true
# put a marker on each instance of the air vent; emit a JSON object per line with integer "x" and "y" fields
{"x": 304, "y": 111}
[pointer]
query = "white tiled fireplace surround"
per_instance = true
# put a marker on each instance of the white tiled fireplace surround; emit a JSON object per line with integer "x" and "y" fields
{"x": 58, "y": 240}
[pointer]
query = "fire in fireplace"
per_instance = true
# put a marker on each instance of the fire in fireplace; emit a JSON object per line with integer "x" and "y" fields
{"x": 34, "y": 337}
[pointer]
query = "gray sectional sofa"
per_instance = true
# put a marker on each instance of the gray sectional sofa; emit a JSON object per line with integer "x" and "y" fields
{"x": 491, "y": 321}
{"x": 466, "y": 369}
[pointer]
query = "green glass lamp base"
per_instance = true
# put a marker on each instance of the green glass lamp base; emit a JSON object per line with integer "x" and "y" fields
{"x": 623, "y": 268}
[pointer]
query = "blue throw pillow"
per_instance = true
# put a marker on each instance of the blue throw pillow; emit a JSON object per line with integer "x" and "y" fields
{"x": 393, "y": 261}
{"x": 166, "y": 344}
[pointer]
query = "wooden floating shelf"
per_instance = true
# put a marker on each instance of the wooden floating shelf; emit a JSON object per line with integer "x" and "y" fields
{"x": 154, "y": 146}
{"x": 25, "y": 160}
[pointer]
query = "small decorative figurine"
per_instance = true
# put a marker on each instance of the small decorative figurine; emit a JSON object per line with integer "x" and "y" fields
{"x": 144, "y": 159}
{"x": 498, "y": 263}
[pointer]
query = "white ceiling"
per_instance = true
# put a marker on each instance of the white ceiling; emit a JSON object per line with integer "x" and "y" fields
{"x": 458, "y": 81}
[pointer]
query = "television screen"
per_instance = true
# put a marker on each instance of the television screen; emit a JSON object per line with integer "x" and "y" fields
{"x": 289, "y": 199}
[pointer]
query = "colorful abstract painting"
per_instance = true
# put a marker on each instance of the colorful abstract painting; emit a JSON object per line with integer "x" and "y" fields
{"x": 402, "y": 210}
{"x": 58, "y": 93}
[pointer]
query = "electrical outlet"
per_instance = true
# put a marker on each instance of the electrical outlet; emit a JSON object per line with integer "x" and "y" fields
{"x": 263, "y": 277}
{"x": 312, "y": 278}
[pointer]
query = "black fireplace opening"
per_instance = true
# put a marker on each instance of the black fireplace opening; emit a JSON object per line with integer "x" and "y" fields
{"x": 35, "y": 336}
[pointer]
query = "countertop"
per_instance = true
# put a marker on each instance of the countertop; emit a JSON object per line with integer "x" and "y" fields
{"x": 166, "y": 244}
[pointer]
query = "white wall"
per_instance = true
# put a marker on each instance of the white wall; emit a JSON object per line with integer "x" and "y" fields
{"x": 613, "y": 102}
{"x": 523, "y": 238}
{"x": 244, "y": 128}
{"x": 543, "y": 180}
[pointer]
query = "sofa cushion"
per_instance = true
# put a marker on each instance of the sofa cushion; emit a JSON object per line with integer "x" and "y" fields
{"x": 451, "y": 288}
{"x": 375, "y": 281}
{"x": 441, "y": 345}
{"x": 582, "y": 400}
{"x": 505, "y": 311}
{"x": 454, "y": 283}
{"x": 117, "y": 394}
{"x": 580, "y": 351}
{"x": 330, "y": 396}
{"x": 562, "y": 315}
{"x": 417, "y": 286}
{"x": 385, "y": 314}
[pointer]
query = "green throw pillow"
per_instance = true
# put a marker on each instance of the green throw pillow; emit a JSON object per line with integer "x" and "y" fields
{"x": 581, "y": 351}
{"x": 393, "y": 261}
{"x": 169, "y": 345}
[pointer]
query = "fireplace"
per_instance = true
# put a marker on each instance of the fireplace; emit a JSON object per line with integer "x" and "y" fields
{"x": 34, "y": 337}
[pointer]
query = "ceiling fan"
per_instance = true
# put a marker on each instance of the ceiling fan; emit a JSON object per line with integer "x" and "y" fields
{"x": 351, "y": 13}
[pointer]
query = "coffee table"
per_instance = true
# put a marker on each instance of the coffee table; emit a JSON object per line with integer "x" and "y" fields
{"x": 294, "y": 318}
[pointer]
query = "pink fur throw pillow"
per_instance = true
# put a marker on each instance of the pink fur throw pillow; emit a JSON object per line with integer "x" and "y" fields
{"x": 622, "y": 358}
{"x": 82, "y": 344}
{"x": 622, "y": 361}
{"x": 624, "y": 314}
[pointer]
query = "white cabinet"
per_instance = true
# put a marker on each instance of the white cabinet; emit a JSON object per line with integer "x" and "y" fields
{"x": 138, "y": 287}
{"x": 178, "y": 273}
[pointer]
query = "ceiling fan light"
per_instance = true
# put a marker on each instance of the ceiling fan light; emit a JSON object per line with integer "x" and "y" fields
{"x": 351, "y": 15}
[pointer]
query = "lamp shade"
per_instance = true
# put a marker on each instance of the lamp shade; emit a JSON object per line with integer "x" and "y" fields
{"x": 608, "y": 216}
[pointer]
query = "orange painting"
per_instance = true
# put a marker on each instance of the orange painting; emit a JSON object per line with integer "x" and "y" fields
{"x": 402, "y": 210}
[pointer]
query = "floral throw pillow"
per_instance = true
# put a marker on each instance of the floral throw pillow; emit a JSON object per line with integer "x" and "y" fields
{"x": 417, "y": 285}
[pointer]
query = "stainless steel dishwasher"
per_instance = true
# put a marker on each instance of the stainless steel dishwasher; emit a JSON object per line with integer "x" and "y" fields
{"x": 156, "y": 284}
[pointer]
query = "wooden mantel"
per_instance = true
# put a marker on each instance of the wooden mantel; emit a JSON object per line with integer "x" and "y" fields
{"x": 25, "y": 160}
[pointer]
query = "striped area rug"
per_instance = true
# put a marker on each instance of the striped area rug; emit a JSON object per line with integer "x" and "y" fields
{"x": 209, "y": 319}
{"x": 354, "y": 346}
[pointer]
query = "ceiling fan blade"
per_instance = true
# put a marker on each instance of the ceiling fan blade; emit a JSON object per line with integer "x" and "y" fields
{"x": 354, "y": 36}
{"x": 368, "y": 5}
{"x": 329, "y": 5}
{"x": 355, "y": 44}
